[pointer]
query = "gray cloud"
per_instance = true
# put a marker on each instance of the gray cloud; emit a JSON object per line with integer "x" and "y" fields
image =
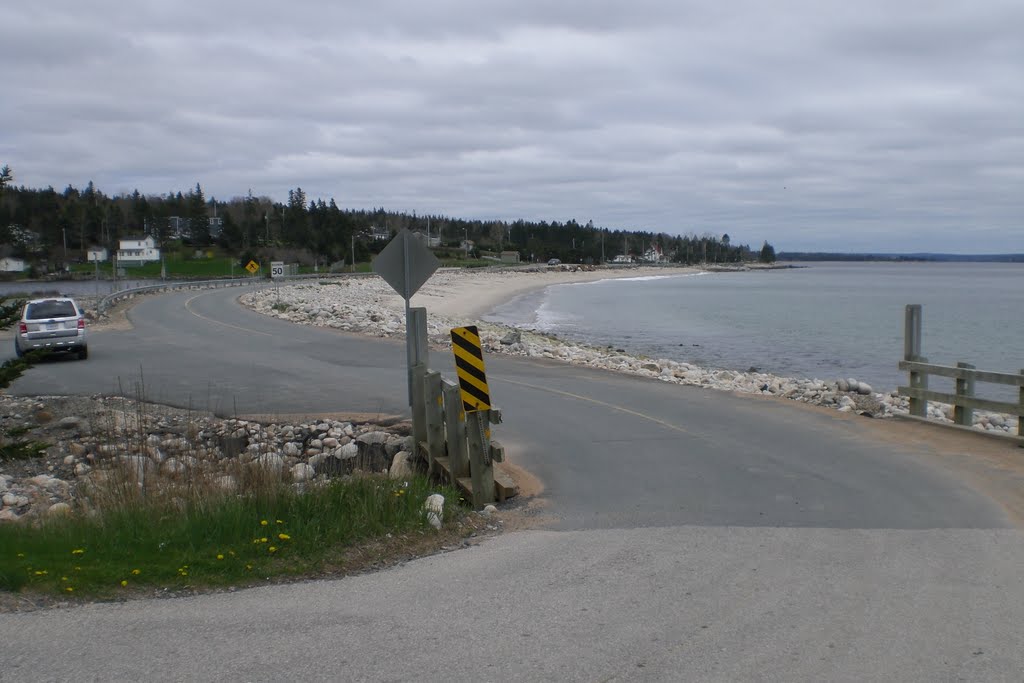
{"x": 814, "y": 125}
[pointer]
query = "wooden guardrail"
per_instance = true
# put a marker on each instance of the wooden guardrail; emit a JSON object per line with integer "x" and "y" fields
{"x": 456, "y": 446}
{"x": 964, "y": 401}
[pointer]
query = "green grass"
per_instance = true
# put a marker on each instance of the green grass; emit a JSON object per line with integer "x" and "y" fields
{"x": 208, "y": 542}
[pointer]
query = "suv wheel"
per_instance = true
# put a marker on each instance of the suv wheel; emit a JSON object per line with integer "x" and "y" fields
{"x": 83, "y": 353}
{"x": 17, "y": 350}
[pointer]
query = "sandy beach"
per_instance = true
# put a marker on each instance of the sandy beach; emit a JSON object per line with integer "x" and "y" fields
{"x": 470, "y": 293}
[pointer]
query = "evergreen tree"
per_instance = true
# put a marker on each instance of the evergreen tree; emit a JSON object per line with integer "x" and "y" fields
{"x": 767, "y": 253}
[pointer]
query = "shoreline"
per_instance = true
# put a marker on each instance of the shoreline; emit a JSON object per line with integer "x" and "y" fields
{"x": 369, "y": 306}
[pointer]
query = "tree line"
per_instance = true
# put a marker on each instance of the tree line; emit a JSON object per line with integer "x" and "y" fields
{"x": 54, "y": 227}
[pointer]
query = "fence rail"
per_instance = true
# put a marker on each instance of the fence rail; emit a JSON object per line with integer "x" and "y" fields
{"x": 964, "y": 401}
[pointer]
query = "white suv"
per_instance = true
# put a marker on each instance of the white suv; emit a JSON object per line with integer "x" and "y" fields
{"x": 56, "y": 324}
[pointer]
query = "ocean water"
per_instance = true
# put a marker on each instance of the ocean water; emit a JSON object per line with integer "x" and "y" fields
{"x": 825, "y": 321}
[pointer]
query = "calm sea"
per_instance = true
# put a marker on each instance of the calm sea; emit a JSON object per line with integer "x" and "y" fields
{"x": 824, "y": 321}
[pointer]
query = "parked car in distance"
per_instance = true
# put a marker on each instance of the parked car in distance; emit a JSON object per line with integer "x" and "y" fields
{"x": 554, "y": 262}
{"x": 55, "y": 324}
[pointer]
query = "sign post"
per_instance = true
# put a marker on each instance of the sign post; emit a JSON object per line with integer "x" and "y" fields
{"x": 405, "y": 264}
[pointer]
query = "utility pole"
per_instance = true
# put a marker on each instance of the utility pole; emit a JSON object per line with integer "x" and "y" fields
{"x": 602, "y": 246}
{"x": 353, "y": 252}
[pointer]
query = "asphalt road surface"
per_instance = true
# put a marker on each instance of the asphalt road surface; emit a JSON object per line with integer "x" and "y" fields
{"x": 684, "y": 534}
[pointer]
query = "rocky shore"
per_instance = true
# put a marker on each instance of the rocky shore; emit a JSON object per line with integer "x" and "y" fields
{"x": 369, "y": 306}
{"x": 82, "y": 442}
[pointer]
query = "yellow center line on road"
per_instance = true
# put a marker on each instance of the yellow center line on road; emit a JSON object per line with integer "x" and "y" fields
{"x": 188, "y": 307}
{"x": 612, "y": 406}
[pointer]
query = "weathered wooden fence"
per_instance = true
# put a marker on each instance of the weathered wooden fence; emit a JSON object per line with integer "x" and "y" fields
{"x": 456, "y": 445}
{"x": 964, "y": 401}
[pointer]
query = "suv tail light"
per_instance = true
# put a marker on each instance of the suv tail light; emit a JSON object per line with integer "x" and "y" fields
{"x": 22, "y": 328}
{"x": 81, "y": 323}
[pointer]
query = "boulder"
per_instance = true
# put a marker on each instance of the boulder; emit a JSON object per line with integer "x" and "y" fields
{"x": 303, "y": 472}
{"x": 400, "y": 467}
{"x": 435, "y": 509}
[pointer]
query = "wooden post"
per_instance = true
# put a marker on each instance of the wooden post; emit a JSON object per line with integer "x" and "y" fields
{"x": 964, "y": 415}
{"x": 1020, "y": 401}
{"x": 434, "y": 410}
{"x": 478, "y": 434}
{"x": 912, "y": 352}
{"x": 455, "y": 431}
{"x": 419, "y": 408}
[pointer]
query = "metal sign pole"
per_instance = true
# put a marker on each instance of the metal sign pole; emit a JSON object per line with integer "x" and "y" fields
{"x": 410, "y": 355}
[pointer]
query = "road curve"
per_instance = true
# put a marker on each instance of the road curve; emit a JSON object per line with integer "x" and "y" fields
{"x": 690, "y": 534}
{"x": 612, "y": 450}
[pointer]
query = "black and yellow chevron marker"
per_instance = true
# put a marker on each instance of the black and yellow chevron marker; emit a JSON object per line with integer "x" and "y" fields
{"x": 469, "y": 365}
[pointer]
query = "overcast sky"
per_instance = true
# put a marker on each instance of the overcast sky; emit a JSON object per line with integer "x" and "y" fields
{"x": 818, "y": 125}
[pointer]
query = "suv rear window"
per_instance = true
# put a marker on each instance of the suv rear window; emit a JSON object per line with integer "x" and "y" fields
{"x": 50, "y": 309}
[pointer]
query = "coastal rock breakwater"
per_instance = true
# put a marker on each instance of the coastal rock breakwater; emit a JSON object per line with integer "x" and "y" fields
{"x": 76, "y": 442}
{"x": 368, "y": 306}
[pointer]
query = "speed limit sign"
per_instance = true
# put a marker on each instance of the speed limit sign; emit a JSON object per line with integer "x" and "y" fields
{"x": 277, "y": 269}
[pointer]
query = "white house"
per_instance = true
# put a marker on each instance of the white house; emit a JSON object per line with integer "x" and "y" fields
{"x": 96, "y": 254}
{"x": 137, "y": 250}
{"x": 9, "y": 264}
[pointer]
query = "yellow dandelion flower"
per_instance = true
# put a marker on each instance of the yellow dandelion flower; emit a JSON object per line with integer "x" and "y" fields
{"x": 21, "y": 554}
{"x": 255, "y": 540}
{"x": 63, "y": 578}
{"x": 272, "y": 549}
{"x": 231, "y": 553}
{"x": 136, "y": 572}
{"x": 123, "y": 583}
{"x": 284, "y": 537}
{"x": 78, "y": 569}
{"x": 263, "y": 522}
{"x": 220, "y": 556}
{"x": 69, "y": 589}
{"x": 78, "y": 551}
{"x": 248, "y": 566}
{"x": 263, "y": 540}
{"x": 279, "y": 521}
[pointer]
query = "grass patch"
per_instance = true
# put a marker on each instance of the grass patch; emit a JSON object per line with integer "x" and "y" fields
{"x": 180, "y": 539}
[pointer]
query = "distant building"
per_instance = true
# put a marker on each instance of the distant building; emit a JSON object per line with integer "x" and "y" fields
{"x": 137, "y": 250}
{"x": 216, "y": 226}
{"x": 430, "y": 241}
{"x": 622, "y": 258}
{"x": 509, "y": 257}
{"x": 96, "y": 254}
{"x": 177, "y": 227}
{"x": 9, "y": 264}
{"x": 380, "y": 234}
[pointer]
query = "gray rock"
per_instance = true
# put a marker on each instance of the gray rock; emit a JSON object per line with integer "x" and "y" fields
{"x": 842, "y": 385}
{"x": 400, "y": 467}
{"x": 270, "y": 461}
{"x": 303, "y": 472}
{"x": 513, "y": 337}
{"x": 348, "y": 451}
{"x": 435, "y": 509}
{"x": 863, "y": 388}
{"x": 72, "y": 422}
{"x": 59, "y": 510}
{"x": 371, "y": 438}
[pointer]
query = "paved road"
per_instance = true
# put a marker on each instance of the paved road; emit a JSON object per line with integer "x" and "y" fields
{"x": 667, "y": 555}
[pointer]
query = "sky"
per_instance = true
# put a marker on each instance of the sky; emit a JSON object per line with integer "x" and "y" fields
{"x": 893, "y": 126}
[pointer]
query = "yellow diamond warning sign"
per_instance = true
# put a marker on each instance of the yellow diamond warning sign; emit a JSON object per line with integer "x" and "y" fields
{"x": 252, "y": 267}
{"x": 469, "y": 365}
